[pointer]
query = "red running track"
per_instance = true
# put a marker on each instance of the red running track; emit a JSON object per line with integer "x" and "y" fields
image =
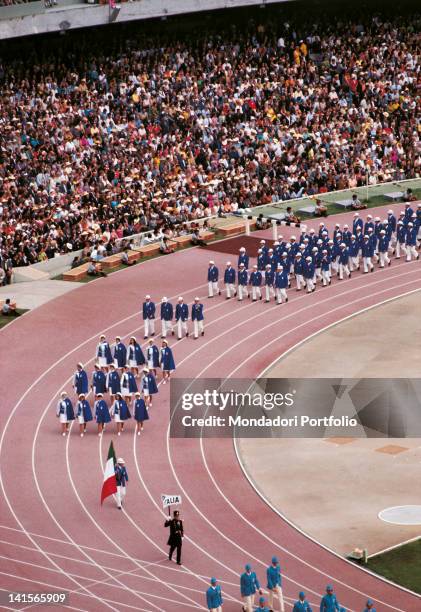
{"x": 53, "y": 533}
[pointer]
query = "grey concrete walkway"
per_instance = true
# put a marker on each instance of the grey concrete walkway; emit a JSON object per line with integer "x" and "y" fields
{"x": 36, "y": 293}
{"x": 334, "y": 489}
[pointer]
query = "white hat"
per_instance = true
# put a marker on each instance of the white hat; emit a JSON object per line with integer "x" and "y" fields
{"x": 81, "y": 395}
{"x": 390, "y": 212}
{"x": 145, "y": 370}
{"x": 382, "y": 231}
{"x": 138, "y": 393}
{"x": 241, "y": 264}
{"x": 293, "y": 238}
{"x": 377, "y": 219}
{"x": 102, "y": 337}
{"x": 132, "y": 337}
{"x": 211, "y": 263}
{"x": 263, "y": 242}
{"x": 164, "y": 299}
{"x": 100, "y": 395}
{"x": 80, "y": 365}
{"x": 255, "y": 266}
{"x": 63, "y": 394}
{"x": 228, "y": 263}
{"x": 117, "y": 338}
{"x": 147, "y": 297}
{"x": 268, "y": 265}
{"x": 410, "y": 224}
{"x": 343, "y": 244}
{"x": 369, "y": 217}
{"x": 356, "y": 214}
{"x": 242, "y": 249}
{"x": 180, "y": 299}
{"x": 120, "y": 460}
{"x": 308, "y": 258}
{"x": 196, "y": 299}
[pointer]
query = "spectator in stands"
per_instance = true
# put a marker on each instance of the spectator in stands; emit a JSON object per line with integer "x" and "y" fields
{"x": 9, "y": 310}
{"x": 125, "y": 258}
{"x": 95, "y": 269}
{"x": 291, "y": 217}
{"x": 409, "y": 196}
{"x": 321, "y": 209}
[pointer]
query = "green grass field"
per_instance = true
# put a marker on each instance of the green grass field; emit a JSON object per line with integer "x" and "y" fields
{"x": 401, "y": 565}
{"x": 5, "y": 320}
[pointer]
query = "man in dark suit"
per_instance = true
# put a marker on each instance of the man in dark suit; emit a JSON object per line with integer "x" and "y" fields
{"x": 175, "y": 541}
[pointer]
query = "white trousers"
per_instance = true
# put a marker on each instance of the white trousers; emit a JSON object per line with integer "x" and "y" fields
{"x": 325, "y": 277}
{"x": 120, "y": 495}
{"x": 310, "y": 285}
{"x": 149, "y": 325}
{"x": 166, "y": 328}
{"x": 384, "y": 259}
{"x": 281, "y": 295}
{"x": 218, "y": 609}
{"x": 318, "y": 274}
{"x": 230, "y": 289}
{"x": 354, "y": 263}
{"x": 181, "y": 328}
{"x": 213, "y": 288}
{"x": 256, "y": 293}
{"x": 198, "y": 327}
{"x": 400, "y": 246}
{"x": 300, "y": 281}
{"x": 343, "y": 268}
{"x": 367, "y": 264}
{"x": 269, "y": 290}
{"x": 276, "y": 592}
{"x": 248, "y": 602}
{"x": 242, "y": 292}
{"x": 411, "y": 250}
{"x": 335, "y": 265}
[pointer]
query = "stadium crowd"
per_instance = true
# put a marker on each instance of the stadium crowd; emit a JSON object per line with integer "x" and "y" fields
{"x": 163, "y": 131}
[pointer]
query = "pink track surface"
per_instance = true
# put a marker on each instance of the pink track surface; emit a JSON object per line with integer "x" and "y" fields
{"x": 53, "y": 533}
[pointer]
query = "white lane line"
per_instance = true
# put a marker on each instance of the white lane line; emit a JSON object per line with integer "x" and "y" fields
{"x": 220, "y": 356}
{"x": 252, "y": 356}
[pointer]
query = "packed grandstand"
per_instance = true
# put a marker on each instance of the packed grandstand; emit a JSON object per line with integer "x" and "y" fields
{"x": 104, "y": 139}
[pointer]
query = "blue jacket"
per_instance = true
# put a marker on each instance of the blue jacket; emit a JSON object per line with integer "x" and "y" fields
{"x": 84, "y": 409}
{"x": 229, "y": 276}
{"x": 197, "y": 312}
{"x": 329, "y": 603}
{"x": 383, "y": 244}
{"x": 401, "y": 233}
{"x": 113, "y": 382}
{"x": 140, "y": 411}
{"x": 152, "y": 353}
{"x": 249, "y": 584}
{"x": 181, "y": 312}
{"x": 128, "y": 382}
{"x": 102, "y": 414}
{"x": 356, "y": 224}
{"x": 213, "y": 274}
{"x": 299, "y": 266}
{"x": 273, "y": 574}
{"x": 148, "y": 310}
{"x": 120, "y": 407}
{"x": 167, "y": 311}
{"x": 344, "y": 256}
{"x": 367, "y": 249}
{"x": 256, "y": 278}
{"x": 261, "y": 262}
{"x": 411, "y": 236}
{"x": 81, "y": 382}
{"x": 214, "y": 597}
{"x": 281, "y": 279}
{"x": 99, "y": 381}
{"x": 269, "y": 278}
{"x": 302, "y": 606}
{"x": 353, "y": 248}
{"x": 243, "y": 277}
{"x": 103, "y": 350}
{"x": 121, "y": 475}
{"x": 120, "y": 354}
{"x": 243, "y": 259}
{"x": 167, "y": 359}
{"x": 135, "y": 353}
{"x": 65, "y": 406}
{"x": 308, "y": 269}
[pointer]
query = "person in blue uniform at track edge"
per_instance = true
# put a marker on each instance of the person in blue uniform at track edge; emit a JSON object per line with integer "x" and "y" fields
{"x": 128, "y": 384}
{"x": 343, "y": 261}
{"x": 99, "y": 380}
{"x": 65, "y": 412}
{"x": 256, "y": 282}
{"x": 411, "y": 242}
{"x": 148, "y": 314}
{"x": 113, "y": 382}
{"x": 281, "y": 284}
{"x": 167, "y": 362}
{"x": 329, "y": 602}
{"x": 214, "y": 599}
{"x": 167, "y": 314}
{"x": 302, "y": 605}
{"x": 383, "y": 249}
{"x": 299, "y": 271}
{"x": 149, "y": 386}
{"x": 249, "y": 585}
{"x": 152, "y": 356}
{"x": 229, "y": 281}
{"x": 262, "y": 607}
{"x": 197, "y": 318}
{"x": 400, "y": 239}
{"x": 120, "y": 411}
{"x": 181, "y": 317}
{"x": 274, "y": 584}
{"x": 103, "y": 354}
{"x": 213, "y": 276}
{"x": 102, "y": 413}
{"x": 141, "y": 413}
{"x": 367, "y": 253}
{"x": 83, "y": 413}
{"x": 243, "y": 258}
{"x": 269, "y": 280}
{"x": 122, "y": 478}
{"x": 242, "y": 282}
{"x": 308, "y": 273}
{"x": 369, "y": 606}
{"x": 80, "y": 380}
{"x": 119, "y": 353}
{"x": 135, "y": 356}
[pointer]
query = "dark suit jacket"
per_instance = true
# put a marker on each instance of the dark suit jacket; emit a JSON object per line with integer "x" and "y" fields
{"x": 176, "y": 531}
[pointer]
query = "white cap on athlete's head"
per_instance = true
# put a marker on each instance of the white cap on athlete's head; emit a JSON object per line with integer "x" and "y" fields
{"x": 180, "y": 299}
{"x": 263, "y": 242}
{"x": 268, "y": 266}
{"x": 390, "y": 212}
{"x": 81, "y": 395}
{"x": 196, "y": 299}
{"x": 63, "y": 394}
{"x": 164, "y": 299}
{"x": 255, "y": 266}
{"x": 382, "y": 231}
{"x": 410, "y": 224}
{"x": 211, "y": 263}
{"x": 293, "y": 238}
{"x": 242, "y": 249}
{"x": 147, "y": 297}
{"x": 120, "y": 460}
{"x": 308, "y": 258}
{"x": 369, "y": 216}
{"x": 145, "y": 369}
{"x": 312, "y": 231}
{"x": 228, "y": 263}
{"x": 138, "y": 394}
{"x": 356, "y": 214}
{"x": 377, "y": 219}
{"x": 102, "y": 337}
{"x": 117, "y": 338}
{"x": 80, "y": 365}
{"x": 324, "y": 251}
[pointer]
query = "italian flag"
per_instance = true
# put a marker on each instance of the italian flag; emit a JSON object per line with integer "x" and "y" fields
{"x": 109, "y": 486}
